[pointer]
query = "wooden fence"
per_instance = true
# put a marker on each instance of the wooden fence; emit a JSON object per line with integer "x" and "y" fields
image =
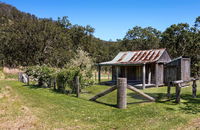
{"x": 121, "y": 93}
{"x": 182, "y": 84}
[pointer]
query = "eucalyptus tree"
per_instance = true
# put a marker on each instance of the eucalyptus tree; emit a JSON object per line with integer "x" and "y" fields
{"x": 141, "y": 38}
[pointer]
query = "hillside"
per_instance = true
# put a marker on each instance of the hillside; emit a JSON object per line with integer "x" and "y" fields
{"x": 26, "y": 40}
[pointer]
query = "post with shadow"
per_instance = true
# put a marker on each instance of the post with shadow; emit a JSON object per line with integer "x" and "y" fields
{"x": 121, "y": 93}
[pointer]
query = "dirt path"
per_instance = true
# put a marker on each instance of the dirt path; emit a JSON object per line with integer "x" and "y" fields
{"x": 13, "y": 114}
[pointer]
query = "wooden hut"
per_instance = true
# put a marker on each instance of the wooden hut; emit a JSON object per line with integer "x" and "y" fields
{"x": 177, "y": 69}
{"x": 141, "y": 68}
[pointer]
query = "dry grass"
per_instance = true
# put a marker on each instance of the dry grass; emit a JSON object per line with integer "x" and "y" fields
{"x": 13, "y": 114}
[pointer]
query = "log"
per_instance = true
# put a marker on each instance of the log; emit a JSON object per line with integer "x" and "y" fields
{"x": 101, "y": 94}
{"x": 194, "y": 89}
{"x": 121, "y": 93}
{"x": 178, "y": 93}
{"x": 140, "y": 93}
{"x": 77, "y": 83}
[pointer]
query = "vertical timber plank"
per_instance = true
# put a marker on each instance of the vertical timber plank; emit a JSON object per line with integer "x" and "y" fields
{"x": 144, "y": 76}
{"x": 149, "y": 76}
{"x": 156, "y": 74}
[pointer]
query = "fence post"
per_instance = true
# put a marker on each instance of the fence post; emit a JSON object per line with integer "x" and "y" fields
{"x": 178, "y": 92}
{"x": 20, "y": 76}
{"x": 121, "y": 93}
{"x": 77, "y": 84}
{"x": 194, "y": 89}
{"x": 27, "y": 80}
{"x": 168, "y": 90}
{"x": 54, "y": 83}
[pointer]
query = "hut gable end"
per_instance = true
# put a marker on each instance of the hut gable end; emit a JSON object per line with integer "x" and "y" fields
{"x": 164, "y": 58}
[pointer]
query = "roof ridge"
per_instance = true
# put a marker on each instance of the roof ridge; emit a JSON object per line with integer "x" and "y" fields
{"x": 145, "y": 50}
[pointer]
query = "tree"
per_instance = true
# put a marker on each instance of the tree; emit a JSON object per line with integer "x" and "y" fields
{"x": 83, "y": 61}
{"x": 182, "y": 40}
{"x": 142, "y": 38}
{"x": 177, "y": 39}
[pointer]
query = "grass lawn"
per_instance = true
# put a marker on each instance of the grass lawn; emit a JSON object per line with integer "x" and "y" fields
{"x": 30, "y": 107}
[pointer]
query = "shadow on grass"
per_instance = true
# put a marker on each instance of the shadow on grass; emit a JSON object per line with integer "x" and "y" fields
{"x": 111, "y": 105}
{"x": 33, "y": 86}
{"x": 190, "y": 105}
{"x": 145, "y": 101}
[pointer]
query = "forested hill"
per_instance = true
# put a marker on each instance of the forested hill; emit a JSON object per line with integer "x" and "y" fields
{"x": 28, "y": 40}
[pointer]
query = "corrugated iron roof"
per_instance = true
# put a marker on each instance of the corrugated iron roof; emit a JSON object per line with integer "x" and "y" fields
{"x": 136, "y": 57}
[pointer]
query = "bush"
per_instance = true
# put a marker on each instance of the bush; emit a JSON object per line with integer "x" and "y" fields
{"x": 43, "y": 74}
{"x": 81, "y": 66}
{"x": 65, "y": 78}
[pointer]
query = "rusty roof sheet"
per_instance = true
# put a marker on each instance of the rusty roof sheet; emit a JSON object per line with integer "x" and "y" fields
{"x": 136, "y": 57}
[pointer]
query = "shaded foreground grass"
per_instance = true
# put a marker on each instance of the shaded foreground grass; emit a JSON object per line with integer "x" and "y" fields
{"x": 54, "y": 110}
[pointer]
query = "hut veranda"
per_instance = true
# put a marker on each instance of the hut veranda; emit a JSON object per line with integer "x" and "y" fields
{"x": 145, "y": 68}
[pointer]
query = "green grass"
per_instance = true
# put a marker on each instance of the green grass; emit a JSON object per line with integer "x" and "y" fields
{"x": 54, "y": 110}
{"x": 11, "y": 76}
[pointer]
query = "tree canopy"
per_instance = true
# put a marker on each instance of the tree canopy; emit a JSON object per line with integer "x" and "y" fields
{"x": 27, "y": 40}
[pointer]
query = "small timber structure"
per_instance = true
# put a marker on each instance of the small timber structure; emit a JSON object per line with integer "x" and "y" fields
{"x": 141, "y": 68}
{"x": 147, "y": 68}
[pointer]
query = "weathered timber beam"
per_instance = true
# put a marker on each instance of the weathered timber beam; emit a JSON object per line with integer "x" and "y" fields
{"x": 177, "y": 82}
{"x": 181, "y": 81}
{"x": 101, "y": 94}
{"x": 141, "y": 93}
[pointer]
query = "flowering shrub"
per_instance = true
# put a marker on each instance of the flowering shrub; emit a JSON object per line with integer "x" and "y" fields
{"x": 43, "y": 74}
{"x": 83, "y": 63}
{"x": 80, "y": 65}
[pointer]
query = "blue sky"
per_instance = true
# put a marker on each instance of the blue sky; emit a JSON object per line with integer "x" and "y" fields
{"x": 112, "y": 18}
